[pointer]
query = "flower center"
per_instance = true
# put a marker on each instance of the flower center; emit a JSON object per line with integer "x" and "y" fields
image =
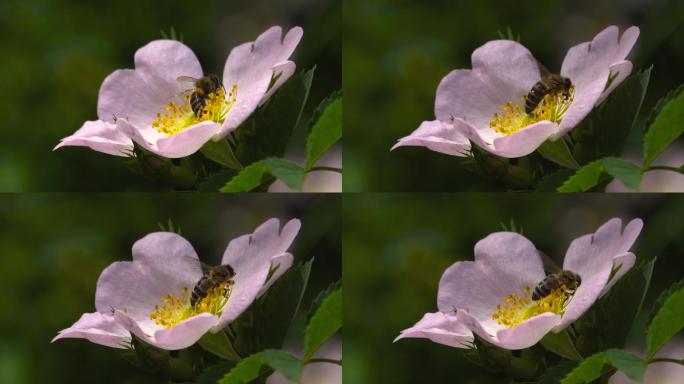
{"x": 517, "y": 309}
{"x": 179, "y": 116}
{"x": 513, "y": 117}
{"x": 174, "y": 309}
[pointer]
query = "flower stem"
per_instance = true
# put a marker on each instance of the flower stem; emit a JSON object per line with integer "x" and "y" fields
{"x": 665, "y": 360}
{"x": 331, "y": 169}
{"x": 322, "y": 360}
{"x": 662, "y": 168}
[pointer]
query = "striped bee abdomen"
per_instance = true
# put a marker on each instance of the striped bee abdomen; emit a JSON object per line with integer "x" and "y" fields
{"x": 535, "y": 96}
{"x": 200, "y": 290}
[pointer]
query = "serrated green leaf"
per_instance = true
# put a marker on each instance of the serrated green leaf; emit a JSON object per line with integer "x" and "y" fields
{"x": 559, "y": 153}
{"x": 219, "y": 345}
{"x": 625, "y": 171}
{"x": 632, "y": 366}
{"x": 325, "y": 131}
{"x": 288, "y": 366}
{"x": 214, "y": 182}
{"x": 290, "y": 173}
{"x": 662, "y": 298}
{"x": 221, "y": 152}
{"x": 666, "y": 323}
{"x": 588, "y": 370}
{"x": 266, "y": 322}
{"x": 324, "y": 323}
{"x": 551, "y": 182}
{"x": 320, "y": 297}
{"x": 267, "y": 132}
{"x": 584, "y": 179}
{"x": 554, "y": 374}
{"x": 562, "y": 345}
{"x": 665, "y": 125}
{"x": 215, "y": 372}
{"x": 247, "y": 370}
{"x": 249, "y": 178}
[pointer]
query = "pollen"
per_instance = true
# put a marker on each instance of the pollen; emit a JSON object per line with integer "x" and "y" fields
{"x": 174, "y": 309}
{"x": 517, "y": 308}
{"x": 513, "y": 118}
{"x": 177, "y": 116}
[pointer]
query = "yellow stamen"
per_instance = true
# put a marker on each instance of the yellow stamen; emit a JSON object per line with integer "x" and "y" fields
{"x": 179, "y": 116}
{"x": 174, "y": 309}
{"x": 513, "y": 117}
{"x": 518, "y": 308}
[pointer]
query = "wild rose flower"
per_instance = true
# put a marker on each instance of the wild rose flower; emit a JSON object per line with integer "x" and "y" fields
{"x": 150, "y": 106}
{"x": 99, "y": 329}
{"x": 441, "y": 328}
{"x": 438, "y": 136}
{"x": 486, "y": 104}
{"x": 491, "y": 296}
{"x": 150, "y": 296}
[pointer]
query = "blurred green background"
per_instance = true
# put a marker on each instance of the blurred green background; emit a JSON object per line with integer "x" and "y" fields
{"x": 55, "y": 246}
{"x": 397, "y": 51}
{"x": 396, "y": 247}
{"x": 55, "y": 54}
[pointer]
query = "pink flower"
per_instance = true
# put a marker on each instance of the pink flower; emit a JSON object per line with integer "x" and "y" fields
{"x": 438, "y": 136}
{"x": 486, "y": 104}
{"x": 441, "y": 328}
{"x": 99, "y": 329}
{"x": 150, "y": 106}
{"x": 150, "y": 296}
{"x": 491, "y": 296}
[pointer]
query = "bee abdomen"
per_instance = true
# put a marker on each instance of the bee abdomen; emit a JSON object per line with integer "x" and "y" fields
{"x": 545, "y": 287}
{"x": 537, "y": 93}
{"x": 197, "y": 103}
{"x": 200, "y": 290}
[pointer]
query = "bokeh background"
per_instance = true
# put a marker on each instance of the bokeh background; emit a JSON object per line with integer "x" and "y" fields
{"x": 55, "y": 54}
{"x": 55, "y": 246}
{"x": 396, "y": 247}
{"x": 397, "y": 51}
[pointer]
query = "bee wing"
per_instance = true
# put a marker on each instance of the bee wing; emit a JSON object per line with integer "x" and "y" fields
{"x": 550, "y": 266}
{"x": 543, "y": 71}
{"x": 187, "y": 79}
{"x": 193, "y": 262}
{"x": 205, "y": 267}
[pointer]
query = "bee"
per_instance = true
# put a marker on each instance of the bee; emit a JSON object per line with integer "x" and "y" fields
{"x": 201, "y": 90}
{"x": 212, "y": 276}
{"x": 550, "y": 83}
{"x": 556, "y": 279}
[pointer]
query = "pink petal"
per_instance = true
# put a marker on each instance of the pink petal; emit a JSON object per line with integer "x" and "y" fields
{"x": 181, "y": 335}
{"x": 589, "y": 253}
{"x": 281, "y": 263}
{"x": 137, "y": 95}
{"x": 623, "y": 263}
{"x": 437, "y": 136}
{"x": 523, "y": 142}
{"x": 585, "y": 296}
{"x": 283, "y": 72}
{"x": 510, "y": 257}
{"x": 457, "y": 290}
{"x": 251, "y": 67}
{"x": 524, "y": 335}
{"x": 182, "y": 144}
{"x": 163, "y": 263}
{"x": 97, "y": 328}
{"x": 100, "y": 136}
{"x": 440, "y": 328}
{"x": 250, "y": 256}
{"x": 621, "y": 70}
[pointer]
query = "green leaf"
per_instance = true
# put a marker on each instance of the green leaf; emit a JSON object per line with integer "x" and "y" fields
{"x": 324, "y": 323}
{"x": 558, "y": 152}
{"x": 247, "y": 370}
{"x": 267, "y": 132}
{"x": 632, "y": 366}
{"x": 259, "y": 363}
{"x": 320, "y": 297}
{"x": 625, "y": 171}
{"x": 325, "y": 130}
{"x": 667, "y": 322}
{"x": 266, "y": 322}
{"x": 554, "y": 374}
{"x": 662, "y": 298}
{"x": 288, "y": 366}
{"x": 552, "y": 181}
{"x": 584, "y": 179}
{"x": 665, "y": 125}
{"x": 562, "y": 345}
{"x": 616, "y": 117}
{"x": 596, "y": 172}
{"x": 290, "y": 173}
{"x": 588, "y": 370}
{"x": 219, "y": 345}
{"x": 249, "y": 178}
{"x": 221, "y": 153}
{"x": 215, "y": 372}
{"x": 214, "y": 182}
